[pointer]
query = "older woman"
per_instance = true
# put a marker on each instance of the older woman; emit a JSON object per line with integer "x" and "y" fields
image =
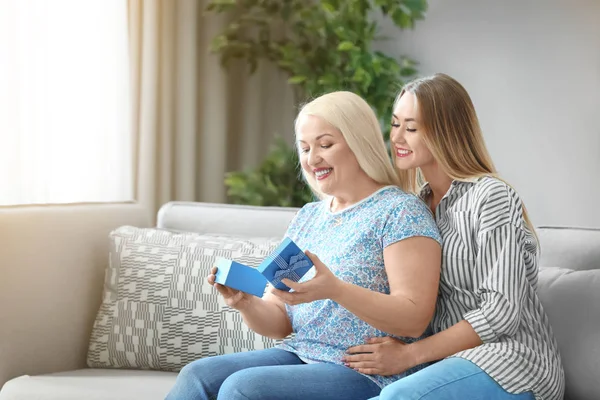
{"x": 377, "y": 257}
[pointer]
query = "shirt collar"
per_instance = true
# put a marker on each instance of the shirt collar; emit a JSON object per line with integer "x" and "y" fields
{"x": 426, "y": 189}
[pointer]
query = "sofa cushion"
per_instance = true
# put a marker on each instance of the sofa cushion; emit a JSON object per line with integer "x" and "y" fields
{"x": 571, "y": 300}
{"x": 158, "y": 312}
{"x": 91, "y": 384}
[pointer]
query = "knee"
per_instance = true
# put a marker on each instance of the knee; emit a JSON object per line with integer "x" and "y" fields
{"x": 190, "y": 382}
{"x": 193, "y": 371}
{"x": 240, "y": 386}
{"x": 398, "y": 391}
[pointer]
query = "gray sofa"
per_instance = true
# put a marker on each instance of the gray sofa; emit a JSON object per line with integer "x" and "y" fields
{"x": 51, "y": 285}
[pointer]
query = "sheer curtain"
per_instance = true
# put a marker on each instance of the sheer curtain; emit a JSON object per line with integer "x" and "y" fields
{"x": 193, "y": 120}
{"x": 120, "y": 100}
{"x": 65, "y": 111}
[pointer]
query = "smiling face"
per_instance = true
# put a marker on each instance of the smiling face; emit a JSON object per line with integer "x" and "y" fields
{"x": 326, "y": 157}
{"x": 407, "y": 135}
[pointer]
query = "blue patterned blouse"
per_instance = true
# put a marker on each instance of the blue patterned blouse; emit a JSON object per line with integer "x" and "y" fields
{"x": 350, "y": 243}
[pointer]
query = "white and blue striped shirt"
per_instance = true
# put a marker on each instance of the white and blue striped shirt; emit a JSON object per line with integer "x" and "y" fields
{"x": 489, "y": 278}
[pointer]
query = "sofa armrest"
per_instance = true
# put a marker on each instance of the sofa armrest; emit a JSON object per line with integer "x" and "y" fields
{"x": 52, "y": 263}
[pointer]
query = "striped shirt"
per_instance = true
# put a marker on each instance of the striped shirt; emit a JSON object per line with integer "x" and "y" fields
{"x": 489, "y": 278}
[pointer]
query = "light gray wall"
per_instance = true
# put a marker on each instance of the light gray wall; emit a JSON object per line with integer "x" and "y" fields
{"x": 532, "y": 68}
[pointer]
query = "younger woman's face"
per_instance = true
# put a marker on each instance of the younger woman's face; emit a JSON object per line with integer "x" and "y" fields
{"x": 406, "y": 135}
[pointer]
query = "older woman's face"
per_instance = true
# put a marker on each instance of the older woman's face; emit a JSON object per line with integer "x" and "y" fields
{"x": 326, "y": 156}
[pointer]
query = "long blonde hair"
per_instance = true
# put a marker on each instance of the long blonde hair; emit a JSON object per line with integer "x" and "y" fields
{"x": 355, "y": 119}
{"x": 451, "y": 132}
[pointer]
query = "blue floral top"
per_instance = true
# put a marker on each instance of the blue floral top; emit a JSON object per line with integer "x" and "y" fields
{"x": 350, "y": 243}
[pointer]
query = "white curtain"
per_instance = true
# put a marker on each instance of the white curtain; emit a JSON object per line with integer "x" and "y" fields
{"x": 194, "y": 121}
{"x": 64, "y": 109}
{"x": 120, "y": 100}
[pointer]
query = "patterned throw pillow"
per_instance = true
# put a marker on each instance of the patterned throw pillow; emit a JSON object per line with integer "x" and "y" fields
{"x": 158, "y": 312}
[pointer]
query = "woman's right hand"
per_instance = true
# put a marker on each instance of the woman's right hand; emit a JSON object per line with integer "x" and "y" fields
{"x": 233, "y": 298}
{"x": 381, "y": 356}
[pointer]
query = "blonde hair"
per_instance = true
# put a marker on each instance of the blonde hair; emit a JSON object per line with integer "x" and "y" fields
{"x": 354, "y": 118}
{"x": 451, "y": 131}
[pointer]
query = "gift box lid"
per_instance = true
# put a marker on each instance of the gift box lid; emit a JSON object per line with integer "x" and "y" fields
{"x": 286, "y": 261}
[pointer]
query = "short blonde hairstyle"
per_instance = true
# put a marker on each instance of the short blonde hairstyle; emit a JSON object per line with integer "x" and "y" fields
{"x": 355, "y": 119}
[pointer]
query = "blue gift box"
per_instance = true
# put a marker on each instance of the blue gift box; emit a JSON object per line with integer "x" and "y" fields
{"x": 286, "y": 261}
{"x": 241, "y": 277}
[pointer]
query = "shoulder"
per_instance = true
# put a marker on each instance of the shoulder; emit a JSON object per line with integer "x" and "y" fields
{"x": 406, "y": 209}
{"x": 312, "y": 206}
{"x": 496, "y": 203}
{"x": 309, "y": 209}
{"x": 393, "y": 203}
{"x": 303, "y": 218}
{"x": 406, "y": 215}
{"x": 394, "y": 198}
{"x": 493, "y": 190}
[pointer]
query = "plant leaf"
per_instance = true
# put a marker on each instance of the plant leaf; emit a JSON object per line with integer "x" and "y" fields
{"x": 296, "y": 79}
{"x": 346, "y": 46}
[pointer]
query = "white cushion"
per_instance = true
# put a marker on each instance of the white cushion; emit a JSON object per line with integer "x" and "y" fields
{"x": 91, "y": 384}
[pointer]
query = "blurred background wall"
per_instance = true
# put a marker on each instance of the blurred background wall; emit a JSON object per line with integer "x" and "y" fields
{"x": 532, "y": 68}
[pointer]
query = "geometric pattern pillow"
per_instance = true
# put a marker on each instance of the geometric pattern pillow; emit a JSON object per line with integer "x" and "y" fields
{"x": 158, "y": 312}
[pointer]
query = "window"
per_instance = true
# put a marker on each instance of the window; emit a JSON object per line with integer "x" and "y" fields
{"x": 65, "y": 131}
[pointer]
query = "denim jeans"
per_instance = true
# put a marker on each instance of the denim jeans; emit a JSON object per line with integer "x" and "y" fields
{"x": 449, "y": 379}
{"x": 268, "y": 374}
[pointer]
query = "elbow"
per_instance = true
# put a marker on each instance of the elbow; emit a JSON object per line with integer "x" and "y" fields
{"x": 416, "y": 330}
{"x": 277, "y": 336}
{"x": 419, "y": 322}
{"x": 497, "y": 319}
{"x": 422, "y": 325}
{"x": 415, "y": 333}
{"x": 507, "y": 326}
{"x": 504, "y": 316}
{"x": 281, "y": 334}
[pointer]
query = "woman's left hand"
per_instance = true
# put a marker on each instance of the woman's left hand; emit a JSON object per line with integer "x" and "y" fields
{"x": 324, "y": 285}
{"x": 380, "y": 356}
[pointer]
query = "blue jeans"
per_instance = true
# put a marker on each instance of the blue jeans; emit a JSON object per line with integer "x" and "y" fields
{"x": 268, "y": 374}
{"x": 449, "y": 379}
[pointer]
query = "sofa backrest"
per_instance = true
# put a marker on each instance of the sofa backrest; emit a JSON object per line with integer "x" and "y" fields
{"x": 569, "y": 279}
{"x": 228, "y": 219}
{"x": 573, "y": 248}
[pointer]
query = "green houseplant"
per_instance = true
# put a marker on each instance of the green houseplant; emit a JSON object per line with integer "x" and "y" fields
{"x": 275, "y": 182}
{"x": 322, "y": 46}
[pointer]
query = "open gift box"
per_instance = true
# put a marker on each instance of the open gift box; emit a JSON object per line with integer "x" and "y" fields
{"x": 286, "y": 261}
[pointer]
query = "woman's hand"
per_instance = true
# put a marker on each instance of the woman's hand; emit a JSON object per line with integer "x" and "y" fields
{"x": 324, "y": 285}
{"x": 380, "y": 356}
{"x": 233, "y": 298}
